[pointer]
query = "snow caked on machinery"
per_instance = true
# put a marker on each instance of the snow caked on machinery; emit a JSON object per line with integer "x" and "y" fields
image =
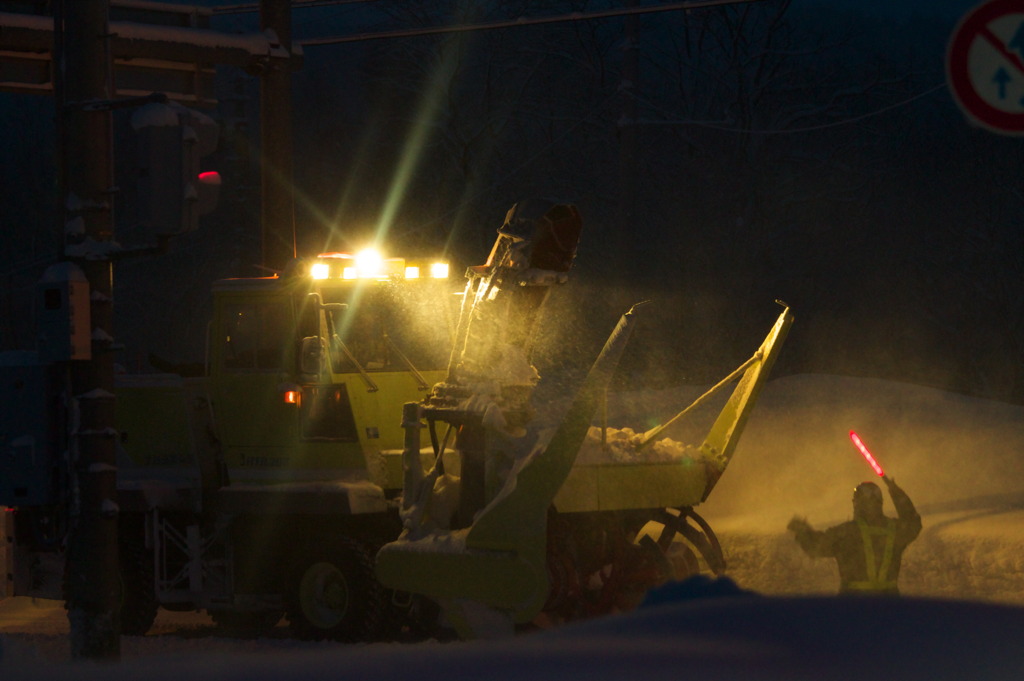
{"x": 359, "y": 457}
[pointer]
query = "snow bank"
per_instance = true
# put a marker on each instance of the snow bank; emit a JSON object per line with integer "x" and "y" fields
{"x": 727, "y": 637}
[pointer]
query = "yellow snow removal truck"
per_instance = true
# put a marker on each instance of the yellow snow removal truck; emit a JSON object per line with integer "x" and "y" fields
{"x": 289, "y": 474}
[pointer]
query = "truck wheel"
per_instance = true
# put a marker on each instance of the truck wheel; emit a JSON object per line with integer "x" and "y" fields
{"x": 138, "y": 590}
{"x": 335, "y": 595}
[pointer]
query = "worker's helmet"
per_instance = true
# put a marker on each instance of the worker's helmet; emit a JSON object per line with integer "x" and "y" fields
{"x": 867, "y": 495}
{"x": 867, "y": 490}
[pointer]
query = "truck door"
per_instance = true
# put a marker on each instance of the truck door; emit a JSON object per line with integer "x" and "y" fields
{"x": 255, "y": 351}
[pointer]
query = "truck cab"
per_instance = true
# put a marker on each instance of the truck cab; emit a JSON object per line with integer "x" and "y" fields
{"x": 304, "y": 377}
{"x": 308, "y": 371}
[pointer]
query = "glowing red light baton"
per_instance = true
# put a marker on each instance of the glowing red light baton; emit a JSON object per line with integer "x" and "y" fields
{"x": 866, "y": 454}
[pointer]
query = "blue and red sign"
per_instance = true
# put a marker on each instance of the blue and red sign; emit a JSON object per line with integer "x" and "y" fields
{"x": 985, "y": 66}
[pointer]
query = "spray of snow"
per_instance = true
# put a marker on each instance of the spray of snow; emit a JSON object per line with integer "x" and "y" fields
{"x": 537, "y": 277}
{"x": 489, "y": 394}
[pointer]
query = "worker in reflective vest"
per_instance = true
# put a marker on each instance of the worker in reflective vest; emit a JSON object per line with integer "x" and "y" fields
{"x": 867, "y": 549}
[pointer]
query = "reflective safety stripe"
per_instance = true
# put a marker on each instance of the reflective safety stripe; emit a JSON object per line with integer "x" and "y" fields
{"x": 877, "y": 573}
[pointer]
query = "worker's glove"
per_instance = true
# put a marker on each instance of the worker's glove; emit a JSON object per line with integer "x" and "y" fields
{"x": 798, "y": 524}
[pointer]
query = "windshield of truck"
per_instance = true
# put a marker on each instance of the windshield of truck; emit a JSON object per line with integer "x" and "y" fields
{"x": 385, "y": 320}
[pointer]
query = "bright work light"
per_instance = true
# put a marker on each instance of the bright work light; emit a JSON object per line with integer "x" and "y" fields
{"x": 369, "y": 263}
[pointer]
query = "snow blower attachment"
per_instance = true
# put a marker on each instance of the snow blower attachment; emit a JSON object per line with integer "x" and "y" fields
{"x": 510, "y": 525}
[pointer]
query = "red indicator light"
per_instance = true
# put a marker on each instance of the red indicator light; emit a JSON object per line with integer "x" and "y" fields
{"x": 291, "y": 396}
{"x": 209, "y": 177}
{"x": 866, "y": 454}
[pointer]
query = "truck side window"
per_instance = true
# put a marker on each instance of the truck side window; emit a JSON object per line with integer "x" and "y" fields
{"x": 255, "y": 334}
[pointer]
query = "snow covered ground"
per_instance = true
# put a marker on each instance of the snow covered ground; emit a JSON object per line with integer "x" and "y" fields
{"x": 961, "y": 459}
{"x": 746, "y": 637}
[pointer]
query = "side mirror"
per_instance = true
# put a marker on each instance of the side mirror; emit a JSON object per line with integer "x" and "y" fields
{"x": 312, "y": 356}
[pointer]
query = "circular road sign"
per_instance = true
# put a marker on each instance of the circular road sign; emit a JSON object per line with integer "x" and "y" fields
{"x": 985, "y": 65}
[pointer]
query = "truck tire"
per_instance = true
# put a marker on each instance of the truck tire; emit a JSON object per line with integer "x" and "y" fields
{"x": 334, "y": 594}
{"x": 138, "y": 590}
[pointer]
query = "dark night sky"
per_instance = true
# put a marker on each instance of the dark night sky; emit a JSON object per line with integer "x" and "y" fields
{"x": 822, "y": 162}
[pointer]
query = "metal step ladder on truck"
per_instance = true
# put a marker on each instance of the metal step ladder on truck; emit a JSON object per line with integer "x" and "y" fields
{"x": 288, "y": 478}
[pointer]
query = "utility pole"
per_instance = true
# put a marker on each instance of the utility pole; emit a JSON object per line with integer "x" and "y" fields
{"x": 277, "y": 204}
{"x": 243, "y": 212}
{"x": 84, "y": 72}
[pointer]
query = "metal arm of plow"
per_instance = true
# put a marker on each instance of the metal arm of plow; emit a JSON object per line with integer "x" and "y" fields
{"x": 658, "y": 430}
{"x": 724, "y": 435}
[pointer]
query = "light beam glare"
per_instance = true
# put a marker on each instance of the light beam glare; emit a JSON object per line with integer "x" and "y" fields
{"x": 438, "y": 88}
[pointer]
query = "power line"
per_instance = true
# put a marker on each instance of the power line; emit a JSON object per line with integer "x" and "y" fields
{"x": 296, "y": 4}
{"x": 824, "y": 126}
{"x": 706, "y": 124}
{"x": 586, "y": 118}
{"x": 521, "y": 21}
